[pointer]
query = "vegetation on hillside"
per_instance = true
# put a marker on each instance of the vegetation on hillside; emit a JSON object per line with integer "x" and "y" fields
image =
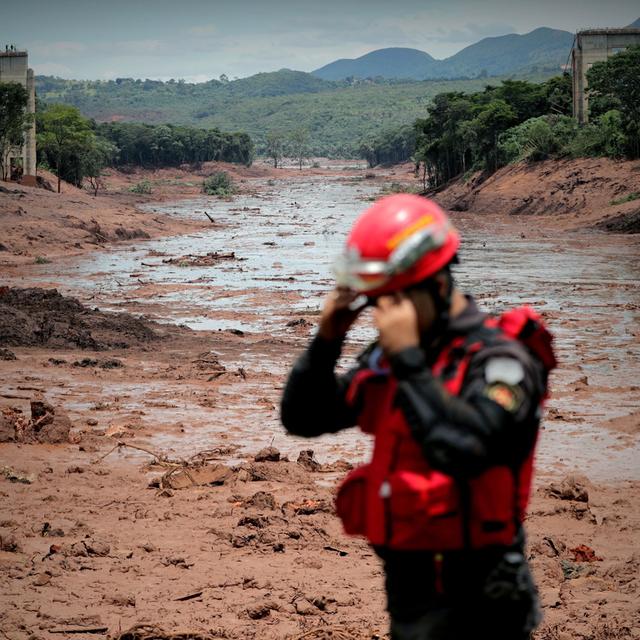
{"x": 520, "y": 120}
{"x": 336, "y": 115}
{"x": 77, "y": 149}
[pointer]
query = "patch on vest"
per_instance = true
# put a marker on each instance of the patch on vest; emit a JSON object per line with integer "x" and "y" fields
{"x": 507, "y": 370}
{"x": 507, "y": 396}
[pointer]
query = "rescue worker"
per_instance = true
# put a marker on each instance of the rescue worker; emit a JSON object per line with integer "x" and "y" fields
{"x": 452, "y": 398}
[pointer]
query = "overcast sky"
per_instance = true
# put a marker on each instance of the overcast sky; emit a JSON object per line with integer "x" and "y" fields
{"x": 201, "y": 39}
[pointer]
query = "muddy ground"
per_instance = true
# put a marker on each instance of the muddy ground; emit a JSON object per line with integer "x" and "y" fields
{"x": 156, "y": 512}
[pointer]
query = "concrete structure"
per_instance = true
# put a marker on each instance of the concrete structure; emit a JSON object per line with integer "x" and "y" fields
{"x": 14, "y": 67}
{"x": 590, "y": 46}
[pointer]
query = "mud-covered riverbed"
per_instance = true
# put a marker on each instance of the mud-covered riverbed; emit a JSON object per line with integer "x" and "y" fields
{"x": 261, "y": 555}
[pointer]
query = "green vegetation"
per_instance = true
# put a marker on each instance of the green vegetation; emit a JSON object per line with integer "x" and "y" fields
{"x": 336, "y": 115}
{"x": 218, "y": 184}
{"x": 79, "y": 149}
{"x": 42, "y": 260}
{"x": 14, "y": 120}
{"x": 615, "y": 84}
{"x": 628, "y": 198}
{"x": 65, "y": 142}
{"x": 143, "y": 187}
{"x": 170, "y": 145}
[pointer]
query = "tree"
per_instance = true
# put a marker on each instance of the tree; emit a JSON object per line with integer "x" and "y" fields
{"x": 275, "y": 146}
{"x": 299, "y": 145}
{"x": 95, "y": 158}
{"x": 65, "y": 136}
{"x": 618, "y": 80}
{"x": 14, "y": 120}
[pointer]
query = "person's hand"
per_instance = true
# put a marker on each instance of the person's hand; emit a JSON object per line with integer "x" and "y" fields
{"x": 397, "y": 322}
{"x": 337, "y": 316}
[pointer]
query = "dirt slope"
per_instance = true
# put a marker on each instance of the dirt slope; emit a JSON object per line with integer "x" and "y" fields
{"x": 566, "y": 193}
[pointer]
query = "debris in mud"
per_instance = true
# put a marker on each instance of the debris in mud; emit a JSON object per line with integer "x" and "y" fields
{"x": 15, "y": 476}
{"x": 112, "y": 363}
{"x": 5, "y": 354}
{"x": 194, "y": 476}
{"x": 268, "y": 454}
{"x": 152, "y": 632}
{"x": 38, "y": 317}
{"x": 300, "y": 323}
{"x": 308, "y": 507}
{"x": 569, "y": 488}
{"x": 206, "y": 260}
{"x": 88, "y": 548}
{"x": 48, "y": 425}
{"x": 261, "y": 500}
{"x": 306, "y": 461}
{"x": 583, "y": 553}
{"x": 8, "y": 542}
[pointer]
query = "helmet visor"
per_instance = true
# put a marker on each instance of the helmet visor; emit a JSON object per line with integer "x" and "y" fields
{"x": 364, "y": 274}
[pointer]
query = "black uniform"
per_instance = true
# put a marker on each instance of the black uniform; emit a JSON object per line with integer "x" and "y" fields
{"x": 494, "y": 420}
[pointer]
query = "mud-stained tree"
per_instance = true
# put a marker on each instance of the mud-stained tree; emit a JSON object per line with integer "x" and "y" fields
{"x": 14, "y": 120}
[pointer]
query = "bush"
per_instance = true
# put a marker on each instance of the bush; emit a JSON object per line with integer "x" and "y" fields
{"x": 602, "y": 137}
{"x": 144, "y": 186}
{"x": 537, "y": 138}
{"x": 219, "y": 184}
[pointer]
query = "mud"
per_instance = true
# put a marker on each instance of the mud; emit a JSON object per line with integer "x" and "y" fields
{"x": 44, "y": 317}
{"x": 178, "y": 506}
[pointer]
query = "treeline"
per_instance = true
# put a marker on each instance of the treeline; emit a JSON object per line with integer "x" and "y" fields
{"x": 390, "y": 147}
{"x": 463, "y": 131}
{"x": 78, "y": 149}
{"x": 521, "y": 120}
{"x": 172, "y": 145}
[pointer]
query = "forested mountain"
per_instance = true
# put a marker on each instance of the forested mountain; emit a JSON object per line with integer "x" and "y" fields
{"x": 543, "y": 49}
{"x": 386, "y": 63}
{"x": 336, "y": 116}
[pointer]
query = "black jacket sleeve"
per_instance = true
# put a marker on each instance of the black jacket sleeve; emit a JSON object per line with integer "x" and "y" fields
{"x": 463, "y": 435}
{"x": 314, "y": 401}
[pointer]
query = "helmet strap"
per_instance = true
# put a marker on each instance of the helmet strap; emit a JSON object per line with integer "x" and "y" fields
{"x": 442, "y": 303}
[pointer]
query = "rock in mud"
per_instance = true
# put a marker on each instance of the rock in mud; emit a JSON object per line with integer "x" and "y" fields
{"x": 8, "y": 542}
{"x": 261, "y": 500}
{"x": 5, "y": 354}
{"x": 569, "y": 488}
{"x": 268, "y": 454}
{"x": 48, "y": 425}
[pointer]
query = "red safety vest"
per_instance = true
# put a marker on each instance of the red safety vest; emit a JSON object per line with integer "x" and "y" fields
{"x": 398, "y": 500}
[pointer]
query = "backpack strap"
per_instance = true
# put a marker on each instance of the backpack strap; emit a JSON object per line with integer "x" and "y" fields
{"x": 526, "y": 326}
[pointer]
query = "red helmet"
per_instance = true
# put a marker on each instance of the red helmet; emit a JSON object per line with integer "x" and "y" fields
{"x": 399, "y": 241}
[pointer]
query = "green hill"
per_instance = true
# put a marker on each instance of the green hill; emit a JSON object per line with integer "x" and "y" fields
{"x": 337, "y": 115}
{"x": 539, "y": 50}
{"x": 386, "y": 63}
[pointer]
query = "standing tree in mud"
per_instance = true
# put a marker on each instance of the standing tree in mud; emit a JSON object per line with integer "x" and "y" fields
{"x": 65, "y": 136}
{"x": 94, "y": 159}
{"x": 13, "y": 120}
{"x": 299, "y": 145}
{"x": 275, "y": 147}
